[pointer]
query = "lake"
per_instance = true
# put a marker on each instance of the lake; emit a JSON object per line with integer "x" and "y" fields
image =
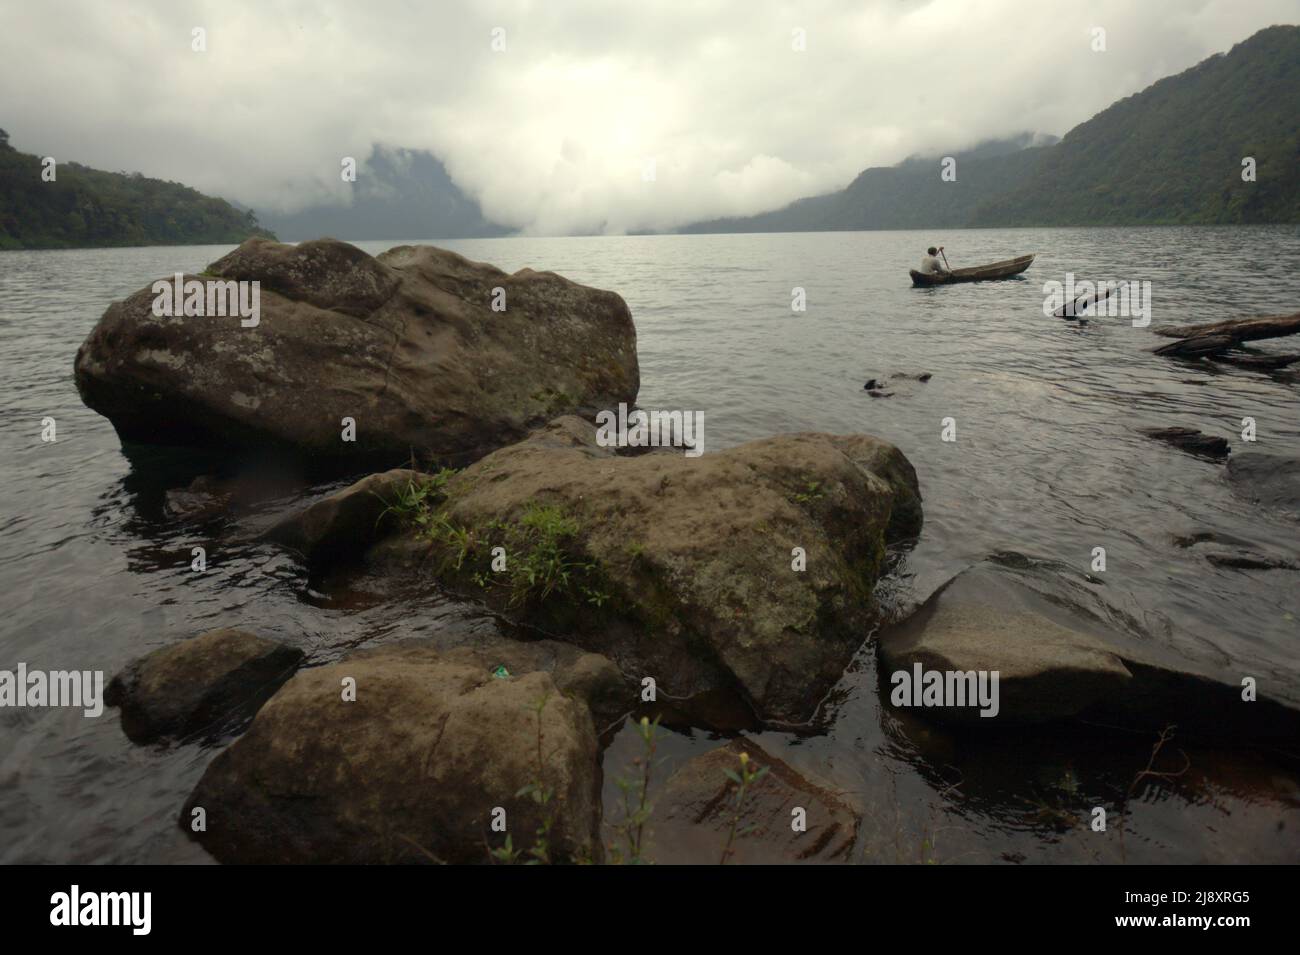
{"x": 1048, "y": 462}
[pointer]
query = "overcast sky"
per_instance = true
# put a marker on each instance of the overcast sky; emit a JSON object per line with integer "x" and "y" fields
{"x": 553, "y": 133}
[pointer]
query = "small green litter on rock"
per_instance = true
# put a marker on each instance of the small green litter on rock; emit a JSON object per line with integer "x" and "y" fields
{"x": 500, "y": 672}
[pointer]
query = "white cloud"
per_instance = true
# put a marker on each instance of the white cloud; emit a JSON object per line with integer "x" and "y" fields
{"x": 551, "y": 135}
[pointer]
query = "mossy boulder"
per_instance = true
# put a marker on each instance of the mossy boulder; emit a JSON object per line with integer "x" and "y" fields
{"x": 750, "y": 569}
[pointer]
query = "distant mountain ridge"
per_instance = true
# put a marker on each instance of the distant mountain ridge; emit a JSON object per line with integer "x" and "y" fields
{"x": 399, "y": 194}
{"x": 1169, "y": 155}
{"x": 906, "y": 196}
{"x": 89, "y": 208}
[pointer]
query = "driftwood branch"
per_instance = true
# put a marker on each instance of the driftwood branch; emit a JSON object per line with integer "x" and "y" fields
{"x": 1218, "y": 339}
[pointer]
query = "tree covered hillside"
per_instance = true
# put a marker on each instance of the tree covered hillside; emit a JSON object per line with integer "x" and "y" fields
{"x": 86, "y": 207}
{"x": 1173, "y": 153}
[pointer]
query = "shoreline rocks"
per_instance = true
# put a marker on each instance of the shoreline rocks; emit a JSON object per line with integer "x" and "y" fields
{"x": 1056, "y": 661}
{"x": 982, "y": 621}
{"x": 750, "y": 568}
{"x": 207, "y": 683}
{"x": 407, "y": 345}
{"x": 681, "y": 571}
{"x": 432, "y": 748}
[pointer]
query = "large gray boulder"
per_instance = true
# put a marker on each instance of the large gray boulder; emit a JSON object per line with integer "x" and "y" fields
{"x": 683, "y": 570}
{"x": 406, "y": 344}
{"x": 414, "y": 768}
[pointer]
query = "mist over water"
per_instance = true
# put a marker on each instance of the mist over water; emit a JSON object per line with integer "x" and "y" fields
{"x": 1048, "y": 462}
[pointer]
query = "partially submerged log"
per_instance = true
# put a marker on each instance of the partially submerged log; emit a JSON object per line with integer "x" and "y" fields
{"x": 1198, "y": 346}
{"x": 1242, "y": 329}
{"x": 1217, "y": 338}
{"x": 1257, "y": 360}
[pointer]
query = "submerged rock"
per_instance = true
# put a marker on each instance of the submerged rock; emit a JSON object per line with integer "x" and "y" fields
{"x": 343, "y": 524}
{"x": 205, "y": 497}
{"x": 693, "y": 814}
{"x": 434, "y": 746}
{"x": 876, "y": 386}
{"x": 207, "y": 683}
{"x": 1245, "y": 560}
{"x": 1242, "y": 555}
{"x": 1270, "y": 480}
{"x": 210, "y": 496}
{"x": 750, "y": 569}
{"x": 1209, "y": 537}
{"x": 1055, "y": 660}
{"x": 407, "y": 345}
{"x": 1191, "y": 441}
{"x": 982, "y": 621}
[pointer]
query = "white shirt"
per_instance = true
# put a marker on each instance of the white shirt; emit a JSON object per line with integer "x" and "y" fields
{"x": 930, "y": 265}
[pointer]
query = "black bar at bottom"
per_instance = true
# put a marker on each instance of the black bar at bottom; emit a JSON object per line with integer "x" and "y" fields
{"x": 214, "y": 903}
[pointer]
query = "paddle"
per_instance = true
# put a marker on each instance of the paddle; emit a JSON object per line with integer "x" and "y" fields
{"x": 945, "y": 259}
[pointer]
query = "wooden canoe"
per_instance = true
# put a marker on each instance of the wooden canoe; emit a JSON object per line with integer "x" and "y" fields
{"x": 981, "y": 273}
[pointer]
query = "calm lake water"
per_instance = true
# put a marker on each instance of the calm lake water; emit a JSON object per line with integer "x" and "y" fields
{"x": 1048, "y": 462}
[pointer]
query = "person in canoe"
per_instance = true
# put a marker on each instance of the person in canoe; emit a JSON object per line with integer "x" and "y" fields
{"x": 930, "y": 265}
